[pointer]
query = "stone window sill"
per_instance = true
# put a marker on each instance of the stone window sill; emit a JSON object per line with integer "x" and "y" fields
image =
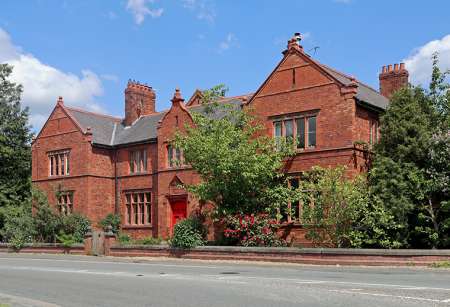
{"x": 137, "y": 226}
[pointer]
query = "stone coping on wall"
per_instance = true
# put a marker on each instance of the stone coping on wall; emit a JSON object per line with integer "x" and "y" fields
{"x": 46, "y": 248}
{"x": 294, "y": 250}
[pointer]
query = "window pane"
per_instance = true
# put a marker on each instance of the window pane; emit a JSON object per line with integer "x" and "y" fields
{"x": 63, "y": 168}
{"x": 135, "y": 209}
{"x": 277, "y": 127}
{"x": 148, "y": 197}
{"x": 300, "y": 133}
{"x": 131, "y": 157}
{"x": 137, "y": 159}
{"x": 51, "y": 165}
{"x": 178, "y": 153}
{"x": 170, "y": 155}
{"x": 141, "y": 197}
{"x": 144, "y": 160}
{"x": 128, "y": 198}
{"x": 135, "y": 198}
{"x": 57, "y": 165}
{"x": 289, "y": 129}
{"x": 312, "y": 131}
{"x": 141, "y": 213}
{"x": 67, "y": 163}
{"x": 129, "y": 214}
{"x": 149, "y": 213}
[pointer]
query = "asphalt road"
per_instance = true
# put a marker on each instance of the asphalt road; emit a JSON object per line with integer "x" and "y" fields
{"x": 56, "y": 280}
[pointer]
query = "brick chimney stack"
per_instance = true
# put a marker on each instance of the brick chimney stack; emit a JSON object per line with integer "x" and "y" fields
{"x": 392, "y": 79}
{"x": 139, "y": 101}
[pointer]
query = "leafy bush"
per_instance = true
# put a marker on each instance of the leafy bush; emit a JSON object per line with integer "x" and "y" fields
{"x": 124, "y": 238}
{"x": 18, "y": 227}
{"x": 67, "y": 240}
{"x": 188, "y": 233}
{"x": 253, "y": 230}
{"x": 111, "y": 219}
{"x": 76, "y": 225}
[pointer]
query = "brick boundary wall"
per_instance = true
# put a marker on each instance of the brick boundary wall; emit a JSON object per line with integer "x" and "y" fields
{"x": 319, "y": 256}
{"x": 45, "y": 248}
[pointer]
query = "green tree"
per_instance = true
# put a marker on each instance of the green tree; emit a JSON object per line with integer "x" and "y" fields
{"x": 411, "y": 161}
{"x": 15, "y": 138}
{"x": 240, "y": 169}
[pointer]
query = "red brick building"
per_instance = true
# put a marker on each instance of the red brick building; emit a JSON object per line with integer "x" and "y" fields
{"x": 98, "y": 164}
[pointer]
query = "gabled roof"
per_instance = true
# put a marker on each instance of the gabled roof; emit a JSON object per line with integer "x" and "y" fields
{"x": 110, "y": 131}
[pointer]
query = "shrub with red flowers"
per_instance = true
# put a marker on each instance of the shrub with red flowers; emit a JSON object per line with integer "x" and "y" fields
{"x": 253, "y": 230}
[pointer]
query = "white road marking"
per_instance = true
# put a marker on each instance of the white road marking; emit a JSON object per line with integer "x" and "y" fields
{"x": 390, "y": 295}
{"x": 25, "y": 301}
{"x": 309, "y": 282}
{"x": 213, "y": 267}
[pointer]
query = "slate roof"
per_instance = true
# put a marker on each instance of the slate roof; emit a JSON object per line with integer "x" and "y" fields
{"x": 365, "y": 93}
{"x": 110, "y": 131}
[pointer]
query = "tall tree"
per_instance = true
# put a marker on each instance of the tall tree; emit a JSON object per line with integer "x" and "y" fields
{"x": 240, "y": 172}
{"x": 411, "y": 160}
{"x": 15, "y": 139}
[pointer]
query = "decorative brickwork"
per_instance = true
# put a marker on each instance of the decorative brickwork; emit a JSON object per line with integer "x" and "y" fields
{"x": 102, "y": 149}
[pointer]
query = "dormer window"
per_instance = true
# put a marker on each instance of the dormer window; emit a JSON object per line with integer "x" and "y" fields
{"x": 59, "y": 163}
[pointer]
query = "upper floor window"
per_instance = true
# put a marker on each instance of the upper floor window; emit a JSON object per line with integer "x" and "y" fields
{"x": 138, "y": 208}
{"x": 138, "y": 161}
{"x": 301, "y": 130}
{"x": 373, "y": 132}
{"x": 59, "y": 163}
{"x": 174, "y": 156}
{"x": 65, "y": 203}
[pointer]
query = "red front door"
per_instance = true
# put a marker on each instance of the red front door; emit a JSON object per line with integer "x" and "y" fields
{"x": 179, "y": 211}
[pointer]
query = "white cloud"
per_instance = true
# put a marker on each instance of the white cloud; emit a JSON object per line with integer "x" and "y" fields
{"x": 230, "y": 41}
{"x": 42, "y": 83}
{"x": 203, "y": 9}
{"x": 419, "y": 62}
{"x": 140, "y": 9}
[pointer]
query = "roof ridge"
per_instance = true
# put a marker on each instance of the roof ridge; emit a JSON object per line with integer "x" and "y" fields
{"x": 93, "y": 113}
{"x": 349, "y": 77}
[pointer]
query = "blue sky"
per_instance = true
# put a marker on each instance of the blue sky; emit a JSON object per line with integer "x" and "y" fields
{"x": 86, "y": 50}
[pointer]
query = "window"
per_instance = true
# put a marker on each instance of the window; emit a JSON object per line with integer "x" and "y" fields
{"x": 65, "y": 203}
{"x": 59, "y": 163}
{"x": 138, "y": 208}
{"x": 299, "y": 129}
{"x": 138, "y": 161}
{"x": 174, "y": 156}
{"x": 373, "y": 132}
{"x": 293, "y": 212}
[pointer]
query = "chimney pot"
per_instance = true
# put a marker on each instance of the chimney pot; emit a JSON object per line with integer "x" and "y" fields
{"x": 395, "y": 67}
{"x": 393, "y": 79}
{"x": 383, "y": 69}
{"x": 402, "y": 66}
{"x": 389, "y": 67}
{"x": 139, "y": 101}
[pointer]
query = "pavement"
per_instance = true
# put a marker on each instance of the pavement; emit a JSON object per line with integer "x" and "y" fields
{"x": 65, "y": 280}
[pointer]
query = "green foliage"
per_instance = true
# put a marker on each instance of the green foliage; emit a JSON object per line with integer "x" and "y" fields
{"x": 253, "y": 230}
{"x": 441, "y": 264}
{"x": 18, "y": 227}
{"x": 240, "y": 167}
{"x": 67, "y": 240}
{"x": 15, "y": 139}
{"x": 410, "y": 174}
{"x": 113, "y": 220}
{"x": 188, "y": 233}
{"x": 47, "y": 222}
{"x": 149, "y": 241}
{"x": 75, "y": 225}
{"x": 124, "y": 238}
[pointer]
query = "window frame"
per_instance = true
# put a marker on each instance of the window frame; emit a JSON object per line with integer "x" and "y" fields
{"x": 138, "y": 208}
{"x": 174, "y": 157}
{"x": 59, "y": 163}
{"x": 65, "y": 200}
{"x": 137, "y": 161}
{"x": 295, "y": 120}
